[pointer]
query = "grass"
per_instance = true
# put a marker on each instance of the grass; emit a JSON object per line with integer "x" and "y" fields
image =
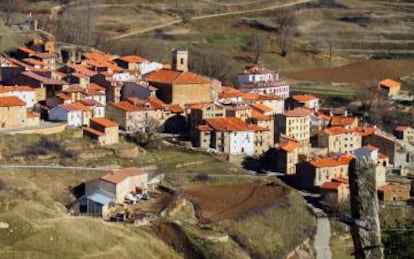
{"x": 273, "y": 233}
{"x": 40, "y": 228}
{"x": 341, "y": 241}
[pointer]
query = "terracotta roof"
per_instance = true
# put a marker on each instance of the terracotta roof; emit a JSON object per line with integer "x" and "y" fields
{"x": 174, "y": 108}
{"x": 256, "y": 97}
{"x": 82, "y": 69}
{"x": 261, "y": 107}
{"x": 256, "y": 69}
{"x": 168, "y": 76}
{"x": 69, "y": 107}
{"x": 16, "y": 89}
{"x": 133, "y": 59}
{"x": 382, "y": 156}
{"x": 118, "y": 175}
{"x": 332, "y": 161}
{"x": 298, "y": 112}
{"x": 260, "y": 116}
{"x": 96, "y": 87}
{"x": 228, "y": 124}
{"x": 34, "y": 62}
{"x": 80, "y": 106}
{"x": 11, "y": 101}
{"x": 27, "y": 50}
{"x": 365, "y": 131}
{"x": 341, "y": 180}
{"x": 342, "y": 121}
{"x": 335, "y": 131}
{"x": 74, "y": 89}
{"x": 126, "y": 106}
{"x": 63, "y": 96}
{"x": 42, "y": 79}
{"x": 304, "y": 97}
{"x": 390, "y": 83}
{"x": 229, "y": 92}
{"x": 289, "y": 146}
{"x": 93, "y": 131}
{"x": 198, "y": 106}
{"x": 204, "y": 128}
{"x": 31, "y": 115}
{"x": 91, "y": 102}
{"x": 257, "y": 127}
{"x": 60, "y": 74}
{"x": 331, "y": 185}
{"x": 105, "y": 122}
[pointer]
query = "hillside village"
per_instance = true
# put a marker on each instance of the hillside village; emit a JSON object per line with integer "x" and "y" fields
{"x": 46, "y": 87}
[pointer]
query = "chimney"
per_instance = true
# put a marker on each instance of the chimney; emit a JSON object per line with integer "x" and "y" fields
{"x": 180, "y": 60}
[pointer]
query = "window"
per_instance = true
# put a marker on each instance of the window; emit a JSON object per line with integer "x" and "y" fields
{"x": 182, "y": 61}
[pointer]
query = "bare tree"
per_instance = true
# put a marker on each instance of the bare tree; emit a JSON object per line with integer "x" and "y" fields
{"x": 314, "y": 49}
{"x": 258, "y": 46}
{"x": 77, "y": 24}
{"x": 286, "y": 23}
{"x": 212, "y": 63}
{"x": 8, "y": 7}
{"x": 147, "y": 132}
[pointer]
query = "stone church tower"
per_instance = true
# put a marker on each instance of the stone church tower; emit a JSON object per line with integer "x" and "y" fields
{"x": 180, "y": 60}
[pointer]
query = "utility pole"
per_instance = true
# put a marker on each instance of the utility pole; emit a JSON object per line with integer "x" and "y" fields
{"x": 366, "y": 230}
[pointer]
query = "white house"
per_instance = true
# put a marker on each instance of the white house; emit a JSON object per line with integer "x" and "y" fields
{"x": 149, "y": 67}
{"x": 67, "y": 112}
{"x": 381, "y": 161}
{"x": 25, "y": 93}
{"x": 256, "y": 79}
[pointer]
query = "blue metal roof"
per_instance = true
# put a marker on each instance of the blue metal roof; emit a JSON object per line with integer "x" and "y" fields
{"x": 101, "y": 197}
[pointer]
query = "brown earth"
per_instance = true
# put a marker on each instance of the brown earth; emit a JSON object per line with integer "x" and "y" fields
{"x": 214, "y": 203}
{"x": 360, "y": 73}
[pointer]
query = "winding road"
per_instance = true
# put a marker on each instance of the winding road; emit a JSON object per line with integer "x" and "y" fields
{"x": 208, "y": 16}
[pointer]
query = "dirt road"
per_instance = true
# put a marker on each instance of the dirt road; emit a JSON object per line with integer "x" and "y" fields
{"x": 208, "y": 16}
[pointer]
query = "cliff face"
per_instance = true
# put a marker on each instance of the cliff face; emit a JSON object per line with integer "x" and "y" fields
{"x": 366, "y": 232}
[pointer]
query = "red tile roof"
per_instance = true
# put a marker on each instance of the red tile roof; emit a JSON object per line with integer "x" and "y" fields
{"x": 126, "y": 106}
{"x": 390, "y": 83}
{"x": 42, "y": 79}
{"x": 365, "y": 131}
{"x": 120, "y": 175}
{"x": 289, "y": 146}
{"x": 332, "y": 161}
{"x": 81, "y": 69}
{"x": 371, "y": 147}
{"x": 133, "y": 59}
{"x": 228, "y": 124}
{"x": 260, "y": 116}
{"x": 305, "y": 97}
{"x": 342, "y": 121}
{"x": 94, "y": 131}
{"x": 204, "y": 128}
{"x": 298, "y": 112}
{"x": 31, "y": 115}
{"x": 335, "y": 131}
{"x": 16, "y": 89}
{"x": 11, "y": 101}
{"x": 105, "y": 122}
{"x": 341, "y": 180}
{"x": 69, "y": 107}
{"x": 331, "y": 185}
{"x": 26, "y": 50}
{"x": 174, "y": 108}
{"x": 229, "y": 92}
{"x": 168, "y": 76}
{"x": 262, "y": 107}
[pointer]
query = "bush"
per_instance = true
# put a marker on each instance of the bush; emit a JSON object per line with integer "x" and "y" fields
{"x": 47, "y": 146}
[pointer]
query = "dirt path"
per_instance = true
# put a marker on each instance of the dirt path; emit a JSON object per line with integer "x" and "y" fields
{"x": 202, "y": 17}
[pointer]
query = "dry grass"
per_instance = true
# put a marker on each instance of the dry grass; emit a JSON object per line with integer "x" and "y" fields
{"x": 40, "y": 227}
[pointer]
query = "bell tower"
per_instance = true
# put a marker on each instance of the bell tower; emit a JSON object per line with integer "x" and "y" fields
{"x": 180, "y": 60}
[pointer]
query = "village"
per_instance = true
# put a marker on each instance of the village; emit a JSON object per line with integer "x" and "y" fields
{"x": 107, "y": 97}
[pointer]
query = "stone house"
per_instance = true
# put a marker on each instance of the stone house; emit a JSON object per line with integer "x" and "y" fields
{"x": 259, "y": 80}
{"x": 335, "y": 191}
{"x": 13, "y": 113}
{"x": 104, "y": 131}
{"x": 339, "y": 140}
{"x": 69, "y": 113}
{"x": 287, "y": 157}
{"x": 312, "y": 174}
{"x": 295, "y": 124}
{"x": 303, "y": 100}
{"x": 347, "y": 122}
{"x": 200, "y": 112}
{"x": 390, "y": 87}
{"x": 393, "y": 192}
{"x": 127, "y": 115}
{"x": 230, "y": 136}
{"x": 181, "y": 87}
{"x": 25, "y": 93}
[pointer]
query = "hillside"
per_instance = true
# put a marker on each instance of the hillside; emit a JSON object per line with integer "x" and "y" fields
{"x": 33, "y": 203}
